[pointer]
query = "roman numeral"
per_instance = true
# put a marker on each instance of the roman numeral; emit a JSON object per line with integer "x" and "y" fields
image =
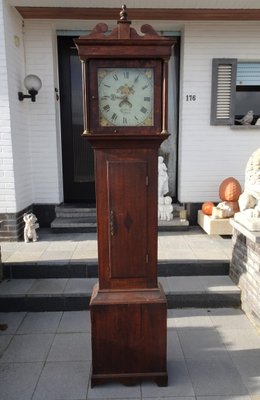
{"x": 124, "y": 120}
{"x": 147, "y": 98}
{"x": 145, "y": 87}
{"x": 126, "y": 74}
{"x": 106, "y": 108}
{"x": 114, "y": 117}
{"x": 143, "y": 110}
{"x": 115, "y": 77}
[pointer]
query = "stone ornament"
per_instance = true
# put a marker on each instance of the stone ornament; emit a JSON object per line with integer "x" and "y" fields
{"x": 30, "y": 227}
{"x": 223, "y": 210}
{"x": 163, "y": 179}
{"x": 247, "y": 119}
{"x": 249, "y": 201}
{"x": 165, "y": 207}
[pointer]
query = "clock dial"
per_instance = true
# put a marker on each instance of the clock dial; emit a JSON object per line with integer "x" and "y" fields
{"x": 126, "y": 96}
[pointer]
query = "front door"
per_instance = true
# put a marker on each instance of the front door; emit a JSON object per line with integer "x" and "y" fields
{"x": 77, "y": 154}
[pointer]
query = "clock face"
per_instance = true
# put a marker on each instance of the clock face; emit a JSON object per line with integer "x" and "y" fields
{"x": 126, "y": 96}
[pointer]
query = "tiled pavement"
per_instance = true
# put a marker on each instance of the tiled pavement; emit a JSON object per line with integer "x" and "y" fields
{"x": 62, "y": 259}
{"x": 213, "y": 354}
{"x": 193, "y": 244}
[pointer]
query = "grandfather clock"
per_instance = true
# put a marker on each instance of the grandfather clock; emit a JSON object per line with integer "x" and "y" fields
{"x": 125, "y": 107}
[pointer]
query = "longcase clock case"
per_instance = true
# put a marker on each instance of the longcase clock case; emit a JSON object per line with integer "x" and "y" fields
{"x": 128, "y": 308}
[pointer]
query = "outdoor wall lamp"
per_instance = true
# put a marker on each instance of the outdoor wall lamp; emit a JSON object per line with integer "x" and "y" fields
{"x": 33, "y": 85}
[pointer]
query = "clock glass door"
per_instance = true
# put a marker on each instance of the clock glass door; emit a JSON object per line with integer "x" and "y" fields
{"x": 125, "y": 96}
{"x": 77, "y": 154}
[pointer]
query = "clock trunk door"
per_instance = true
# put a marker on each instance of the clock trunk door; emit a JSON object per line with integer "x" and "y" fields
{"x": 128, "y": 255}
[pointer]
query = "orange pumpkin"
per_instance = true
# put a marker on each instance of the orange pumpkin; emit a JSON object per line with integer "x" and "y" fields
{"x": 207, "y": 207}
{"x": 230, "y": 189}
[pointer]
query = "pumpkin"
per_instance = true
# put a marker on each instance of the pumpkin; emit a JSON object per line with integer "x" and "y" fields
{"x": 230, "y": 189}
{"x": 207, "y": 207}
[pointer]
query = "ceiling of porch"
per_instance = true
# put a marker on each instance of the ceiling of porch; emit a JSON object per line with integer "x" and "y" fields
{"x": 178, "y": 10}
{"x": 182, "y": 4}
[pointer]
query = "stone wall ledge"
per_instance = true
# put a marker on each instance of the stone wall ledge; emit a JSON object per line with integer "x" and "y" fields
{"x": 251, "y": 235}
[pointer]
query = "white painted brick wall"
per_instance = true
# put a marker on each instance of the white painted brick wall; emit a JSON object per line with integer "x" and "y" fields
{"x": 43, "y": 118}
{"x": 208, "y": 154}
{"x": 18, "y": 110}
{"x": 7, "y": 190}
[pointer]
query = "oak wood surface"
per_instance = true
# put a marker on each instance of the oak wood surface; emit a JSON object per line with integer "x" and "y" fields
{"x": 128, "y": 309}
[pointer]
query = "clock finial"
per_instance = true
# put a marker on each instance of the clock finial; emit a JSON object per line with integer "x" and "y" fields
{"x": 123, "y": 13}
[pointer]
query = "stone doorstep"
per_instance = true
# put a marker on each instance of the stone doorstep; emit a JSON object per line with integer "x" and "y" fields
{"x": 89, "y": 224}
{"x": 74, "y": 294}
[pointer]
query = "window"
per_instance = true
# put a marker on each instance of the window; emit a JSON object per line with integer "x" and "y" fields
{"x": 235, "y": 91}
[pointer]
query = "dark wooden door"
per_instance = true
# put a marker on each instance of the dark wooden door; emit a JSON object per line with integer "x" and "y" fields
{"x": 77, "y": 154}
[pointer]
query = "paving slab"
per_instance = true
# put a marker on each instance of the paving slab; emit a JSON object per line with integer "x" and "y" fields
{"x": 70, "y": 347}
{"x": 4, "y": 342}
{"x": 18, "y": 380}
{"x": 45, "y": 322}
{"x": 248, "y": 364}
{"x": 28, "y": 348}
{"x": 63, "y": 381}
{"x": 179, "y": 382}
{"x": 215, "y": 376}
{"x": 48, "y": 286}
{"x": 75, "y": 321}
{"x": 14, "y": 287}
{"x": 12, "y": 320}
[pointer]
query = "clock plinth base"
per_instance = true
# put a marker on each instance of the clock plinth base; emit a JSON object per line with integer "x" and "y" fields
{"x": 161, "y": 379}
{"x": 129, "y": 336}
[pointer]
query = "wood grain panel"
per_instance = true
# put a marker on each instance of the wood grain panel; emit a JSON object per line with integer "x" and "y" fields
{"x": 140, "y": 14}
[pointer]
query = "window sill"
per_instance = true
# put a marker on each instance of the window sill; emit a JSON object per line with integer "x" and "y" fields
{"x": 239, "y": 127}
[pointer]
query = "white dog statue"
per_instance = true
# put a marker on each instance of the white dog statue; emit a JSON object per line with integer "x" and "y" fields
{"x": 30, "y": 227}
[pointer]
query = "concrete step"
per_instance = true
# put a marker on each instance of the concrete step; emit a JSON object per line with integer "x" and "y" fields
{"x": 43, "y": 270}
{"x": 82, "y": 218}
{"x": 75, "y": 211}
{"x": 74, "y": 293}
{"x": 81, "y": 224}
{"x": 74, "y": 224}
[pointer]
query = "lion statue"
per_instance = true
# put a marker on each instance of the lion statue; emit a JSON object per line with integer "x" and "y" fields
{"x": 250, "y": 198}
{"x": 30, "y": 227}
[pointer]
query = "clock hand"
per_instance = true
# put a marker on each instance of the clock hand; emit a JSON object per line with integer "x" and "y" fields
{"x": 125, "y": 100}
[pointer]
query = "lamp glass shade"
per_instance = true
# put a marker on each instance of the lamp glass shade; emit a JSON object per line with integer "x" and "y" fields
{"x": 32, "y": 82}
